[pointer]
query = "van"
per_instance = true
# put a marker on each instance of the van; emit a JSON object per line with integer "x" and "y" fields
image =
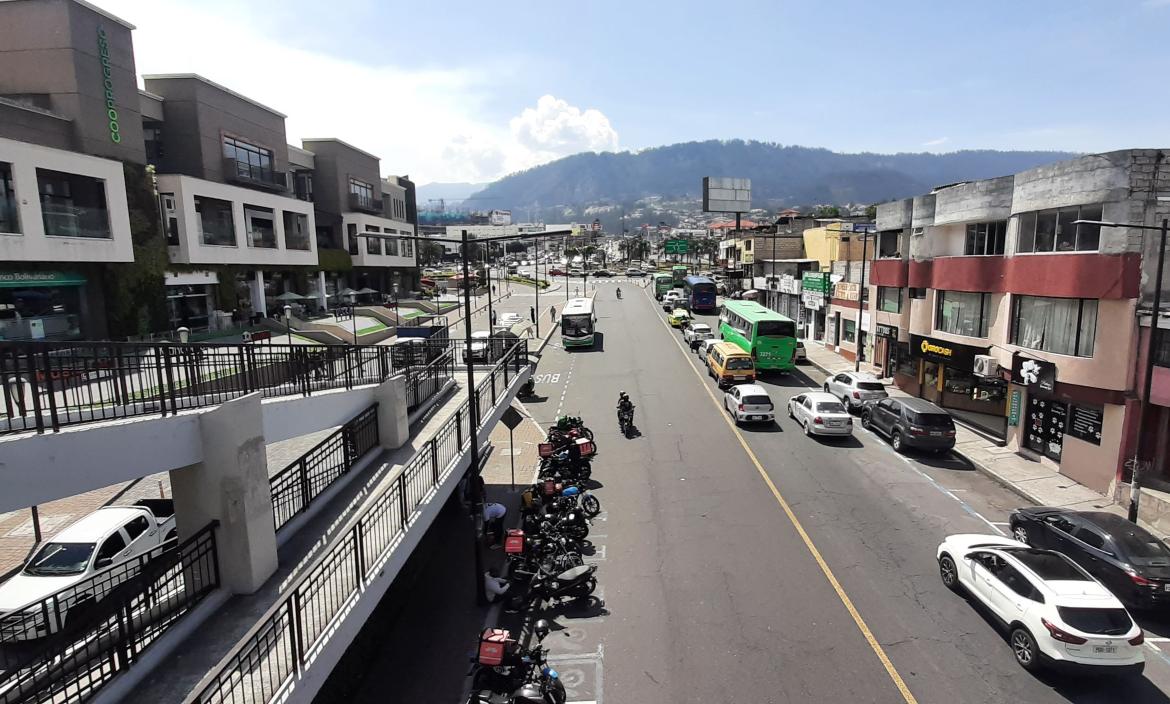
{"x": 728, "y": 364}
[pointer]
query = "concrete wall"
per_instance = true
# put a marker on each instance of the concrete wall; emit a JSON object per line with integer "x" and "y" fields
{"x": 31, "y": 244}
{"x": 895, "y": 215}
{"x": 36, "y": 126}
{"x": 977, "y": 201}
{"x": 336, "y": 162}
{"x": 199, "y": 114}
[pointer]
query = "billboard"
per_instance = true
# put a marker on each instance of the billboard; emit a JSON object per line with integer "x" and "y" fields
{"x": 726, "y": 195}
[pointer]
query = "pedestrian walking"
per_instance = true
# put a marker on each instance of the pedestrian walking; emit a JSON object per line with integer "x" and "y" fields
{"x": 532, "y": 314}
{"x": 552, "y": 313}
{"x": 493, "y": 318}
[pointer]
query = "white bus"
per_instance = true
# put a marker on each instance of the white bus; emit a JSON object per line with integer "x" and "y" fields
{"x": 577, "y": 321}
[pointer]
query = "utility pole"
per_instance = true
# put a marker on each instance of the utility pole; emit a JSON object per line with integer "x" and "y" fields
{"x": 861, "y": 307}
{"x": 473, "y": 432}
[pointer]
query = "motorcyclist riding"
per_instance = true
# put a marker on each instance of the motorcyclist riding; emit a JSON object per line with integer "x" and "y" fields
{"x": 625, "y": 409}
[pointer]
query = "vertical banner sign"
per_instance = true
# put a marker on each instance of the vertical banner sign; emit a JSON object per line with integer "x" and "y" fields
{"x": 1014, "y": 408}
{"x": 108, "y": 85}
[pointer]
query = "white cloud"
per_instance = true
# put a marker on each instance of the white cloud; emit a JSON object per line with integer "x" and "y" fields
{"x": 427, "y": 123}
{"x": 1156, "y": 3}
{"x": 936, "y": 142}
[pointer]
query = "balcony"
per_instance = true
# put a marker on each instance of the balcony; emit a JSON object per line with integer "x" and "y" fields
{"x": 365, "y": 204}
{"x": 236, "y": 171}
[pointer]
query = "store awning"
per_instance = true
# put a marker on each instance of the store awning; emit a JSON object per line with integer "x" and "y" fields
{"x": 45, "y": 279}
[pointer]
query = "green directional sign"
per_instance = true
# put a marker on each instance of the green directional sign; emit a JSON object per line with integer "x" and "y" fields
{"x": 675, "y": 246}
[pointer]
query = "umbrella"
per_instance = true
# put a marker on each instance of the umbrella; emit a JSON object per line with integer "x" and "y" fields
{"x": 365, "y": 291}
{"x": 290, "y": 296}
{"x": 346, "y": 292}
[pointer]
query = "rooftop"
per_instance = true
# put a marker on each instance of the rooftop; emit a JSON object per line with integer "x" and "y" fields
{"x": 213, "y": 84}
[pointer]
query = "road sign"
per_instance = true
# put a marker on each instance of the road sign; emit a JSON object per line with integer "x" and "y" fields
{"x": 675, "y": 246}
{"x": 512, "y": 418}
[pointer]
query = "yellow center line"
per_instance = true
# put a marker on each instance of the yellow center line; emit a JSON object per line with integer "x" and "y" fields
{"x": 804, "y": 536}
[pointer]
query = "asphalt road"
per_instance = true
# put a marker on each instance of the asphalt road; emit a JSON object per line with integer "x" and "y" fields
{"x": 715, "y": 588}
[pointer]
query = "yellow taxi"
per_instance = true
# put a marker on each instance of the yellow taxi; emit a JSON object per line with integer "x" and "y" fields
{"x": 678, "y": 317}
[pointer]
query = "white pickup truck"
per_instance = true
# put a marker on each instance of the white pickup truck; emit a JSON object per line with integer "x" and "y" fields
{"x": 98, "y": 542}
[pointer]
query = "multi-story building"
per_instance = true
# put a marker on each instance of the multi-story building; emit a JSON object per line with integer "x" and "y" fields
{"x": 1002, "y": 301}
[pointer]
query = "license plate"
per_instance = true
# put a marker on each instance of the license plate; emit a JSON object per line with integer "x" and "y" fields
{"x": 755, "y": 417}
{"x": 834, "y": 424}
{"x": 1104, "y": 649}
{"x": 936, "y": 433}
{"x": 1166, "y": 587}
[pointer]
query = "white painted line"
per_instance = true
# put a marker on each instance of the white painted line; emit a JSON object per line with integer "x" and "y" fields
{"x": 1157, "y": 640}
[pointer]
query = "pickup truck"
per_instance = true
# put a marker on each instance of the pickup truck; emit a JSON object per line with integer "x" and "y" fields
{"x": 100, "y": 541}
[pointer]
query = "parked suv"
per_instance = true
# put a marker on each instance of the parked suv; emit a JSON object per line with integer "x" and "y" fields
{"x": 855, "y": 389}
{"x": 911, "y": 422}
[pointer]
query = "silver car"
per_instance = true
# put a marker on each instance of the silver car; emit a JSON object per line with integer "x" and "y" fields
{"x": 855, "y": 389}
{"x": 820, "y": 414}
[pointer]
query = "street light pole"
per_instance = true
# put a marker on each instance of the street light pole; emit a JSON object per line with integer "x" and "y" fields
{"x": 473, "y": 433}
{"x": 537, "y": 316}
{"x": 288, "y": 322}
{"x": 860, "y": 307}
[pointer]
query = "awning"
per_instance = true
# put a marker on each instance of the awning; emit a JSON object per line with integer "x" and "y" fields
{"x": 31, "y": 279}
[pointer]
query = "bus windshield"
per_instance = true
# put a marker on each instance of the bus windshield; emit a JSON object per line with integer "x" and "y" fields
{"x": 775, "y": 328}
{"x": 576, "y": 325}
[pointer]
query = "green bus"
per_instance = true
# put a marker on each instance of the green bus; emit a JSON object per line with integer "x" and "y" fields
{"x": 679, "y": 271}
{"x": 769, "y": 337}
{"x": 662, "y": 284}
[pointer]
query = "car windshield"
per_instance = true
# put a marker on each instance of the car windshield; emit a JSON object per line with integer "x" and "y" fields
{"x": 830, "y": 407}
{"x": 739, "y": 363}
{"x": 56, "y": 559}
{"x": 1106, "y": 622}
{"x": 1140, "y": 545}
{"x": 1048, "y": 565}
{"x": 757, "y": 400}
{"x": 932, "y": 420}
{"x": 870, "y": 386}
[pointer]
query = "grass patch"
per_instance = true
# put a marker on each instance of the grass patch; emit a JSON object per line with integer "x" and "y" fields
{"x": 372, "y": 328}
{"x": 526, "y": 280}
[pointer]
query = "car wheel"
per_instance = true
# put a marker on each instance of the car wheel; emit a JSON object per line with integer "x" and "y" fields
{"x": 790, "y": 413}
{"x": 897, "y": 442}
{"x": 1024, "y": 648}
{"x": 865, "y": 423}
{"x": 1020, "y": 533}
{"x": 948, "y": 573}
{"x": 807, "y": 429}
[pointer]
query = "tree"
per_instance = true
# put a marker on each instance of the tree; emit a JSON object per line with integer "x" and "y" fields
{"x": 871, "y": 212}
{"x": 827, "y": 211}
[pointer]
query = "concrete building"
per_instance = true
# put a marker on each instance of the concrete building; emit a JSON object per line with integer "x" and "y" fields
{"x": 990, "y": 299}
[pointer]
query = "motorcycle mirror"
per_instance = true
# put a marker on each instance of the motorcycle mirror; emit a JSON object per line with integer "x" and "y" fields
{"x": 541, "y": 629}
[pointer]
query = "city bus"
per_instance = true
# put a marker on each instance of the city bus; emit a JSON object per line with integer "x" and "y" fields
{"x": 769, "y": 337}
{"x": 700, "y": 293}
{"x": 679, "y": 272}
{"x": 662, "y": 284}
{"x": 577, "y": 321}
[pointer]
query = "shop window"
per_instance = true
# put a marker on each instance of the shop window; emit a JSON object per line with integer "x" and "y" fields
{"x": 261, "y": 227}
{"x": 40, "y": 313}
{"x": 1054, "y": 230}
{"x": 963, "y": 313}
{"x": 1057, "y": 325}
{"x": 985, "y": 238}
{"x": 214, "y": 218}
{"x": 373, "y": 244}
{"x": 296, "y": 231}
{"x": 903, "y": 362}
{"x": 407, "y": 248}
{"x": 849, "y": 331}
{"x": 889, "y": 299}
{"x": 1044, "y": 426}
{"x": 188, "y": 306}
{"x": 9, "y": 216}
{"x": 392, "y": 247}
{"x": 351, "y": 237}
{"x": 73, "y": 205}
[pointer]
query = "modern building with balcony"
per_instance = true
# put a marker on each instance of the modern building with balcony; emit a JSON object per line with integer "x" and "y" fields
{"x": 991, "y": 299}
{"x": 70, "y": 146}
{"x": 363, "y": 214}
{"x": 223, "y": 180}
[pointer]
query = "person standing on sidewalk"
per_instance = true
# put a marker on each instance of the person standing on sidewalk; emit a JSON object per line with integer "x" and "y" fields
{"x": 552, "y": 313}
{"x": 532, "y": 314}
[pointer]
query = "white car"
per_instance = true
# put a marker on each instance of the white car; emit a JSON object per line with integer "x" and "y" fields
{"x": 1056, "y": 614}
{"x": 480, "y": 346}
{"x": 634, "y": 272}
{"x": 855, "y": 389}
{"x": 749, "y": 403}
{"x": 669, "y": 300}
{"x": 820, "y": 414}
{"x": 801, "y": 354}
{"x": 508, "y": 319}
{"x": 696, "y": 333}
{"x": 705, "y": 347}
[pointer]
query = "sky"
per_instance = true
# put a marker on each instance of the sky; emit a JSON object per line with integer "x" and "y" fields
{"x": 453, "y": 90}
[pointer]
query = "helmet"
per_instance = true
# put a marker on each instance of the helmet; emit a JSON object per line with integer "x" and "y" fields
{"x": 570, "y": 491}
{"x": 528, "y": 694}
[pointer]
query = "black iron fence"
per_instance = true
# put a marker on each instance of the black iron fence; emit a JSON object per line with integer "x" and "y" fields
{"x": 86, "y": 634}
{"x": 50, "y": 385}
{"x": 286, "y": 640}
{"x": 295, "y": 486}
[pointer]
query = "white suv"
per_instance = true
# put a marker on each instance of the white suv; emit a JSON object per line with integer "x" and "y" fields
{"x": 1055, "y": 613}
{"x": 855, "y": 389}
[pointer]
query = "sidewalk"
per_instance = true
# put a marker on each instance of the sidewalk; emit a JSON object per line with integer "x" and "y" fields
{"x": 1028, "y": 478}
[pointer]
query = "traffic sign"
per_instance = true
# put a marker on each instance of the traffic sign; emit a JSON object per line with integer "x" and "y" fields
{"x": 675, "y": 246}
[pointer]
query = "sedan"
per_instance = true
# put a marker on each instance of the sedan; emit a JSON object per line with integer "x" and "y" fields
{"x": 820, "y": 414}
{"x": 509, "y": 319}
{"x": 556, "y": 272}
{"x": 749, "y": 403}
{"x": 801, "y": 355}
{"x": 1056, "y": 614}
{"x": 679, "y": 317}
{"x": 634, "y": 272}
{"x": 1123, "y": 556}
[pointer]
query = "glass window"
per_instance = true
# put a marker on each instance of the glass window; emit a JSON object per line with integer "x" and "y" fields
{"x": 1026, "y": 241}
{"x": 1049, "y": 566}
{"x": 985, "y": 238}
{"x": 1055, "y": 230}
{"x": 1107, "y": 622}
{"x": 373, "y": 245}
{"x": 849, "y": 330}
{"x": 904, "y": 363}
{"x": 214, "y": 217}
{"x": 830, "y": 407}
{"x": 1162, "y": 348}
{"x": 60, "y": 559}
{"x": 261, "y": 227}
{"x": 963, "y": 313}
{"x": 889, "y": 299}
{"x": 1057, "y": 325}
{"x": 361, "y": 193}
{"x": 1089, "y": 236}
{"x": 1090, "y": 537}
{"x": 9, "y": 216}
{"x": 136, "y": 527}
{"x": 73, "y": 205}
{"x": 771, "y": 328}
{"x": 250, "y": 161}
{"x": 392, "y": 247}
{"x": 296, "y": 230}
{"x": 1139, "y": 544}
{"x": 351, "y": 232}
{"x": 113, "y": 545}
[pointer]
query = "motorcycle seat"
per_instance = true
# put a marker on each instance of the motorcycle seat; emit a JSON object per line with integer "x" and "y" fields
{"x": 574, "y": 573}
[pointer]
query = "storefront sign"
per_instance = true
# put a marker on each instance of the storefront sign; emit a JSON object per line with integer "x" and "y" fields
{"x": 1033, "y": 373}
{"x": 748, "y": 258}
{"x": 29, "y": 279}
{"x": 946, "y": 352}
{"x": 789, "y": 284}
{"x": 889, "y": 331}
{"x": 815, "y": 281}
{"x": 108, "y": 85}
{"x": 1085, "y": 423}
{"x": 847, "y": 291}
{"x": 813, "y": 300}
{"x": 1014, "y": 407}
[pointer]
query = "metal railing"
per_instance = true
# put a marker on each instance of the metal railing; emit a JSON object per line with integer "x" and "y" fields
{"x": 295, "y": 486}
{"x": 283, "y": 644}
{"x": 97, "y": 638}
{"x": 50, "y": 385}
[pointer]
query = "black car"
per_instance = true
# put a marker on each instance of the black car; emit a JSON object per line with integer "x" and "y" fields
{"x": 1129, "y": 560}
{"x": 601, "y": 273}
{"x": 911, "y": 422}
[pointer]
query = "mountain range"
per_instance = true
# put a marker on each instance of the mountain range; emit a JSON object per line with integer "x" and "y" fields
{"x": 781, "y": 175}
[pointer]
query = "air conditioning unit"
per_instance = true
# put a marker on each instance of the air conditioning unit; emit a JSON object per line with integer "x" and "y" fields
{"x": 985, "y": 365}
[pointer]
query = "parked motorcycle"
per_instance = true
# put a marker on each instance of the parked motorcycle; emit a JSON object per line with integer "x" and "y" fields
{"x": 506, "y": 673}
{"x": 573, "y": 583}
